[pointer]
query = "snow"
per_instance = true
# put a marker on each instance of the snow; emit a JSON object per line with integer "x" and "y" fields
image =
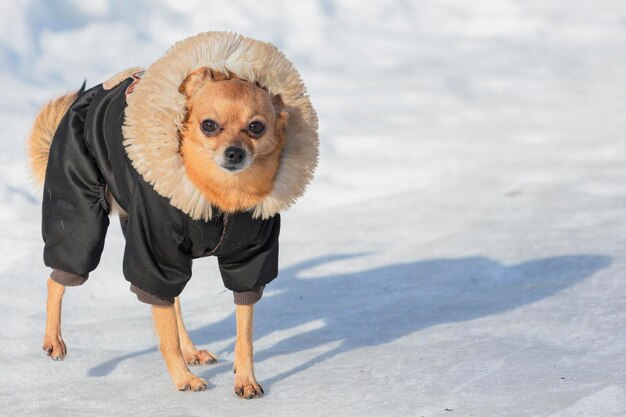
{"x": 460, "y": 252}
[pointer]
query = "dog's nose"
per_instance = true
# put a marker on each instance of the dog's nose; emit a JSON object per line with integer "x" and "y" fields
{"x": 234, "y": 155}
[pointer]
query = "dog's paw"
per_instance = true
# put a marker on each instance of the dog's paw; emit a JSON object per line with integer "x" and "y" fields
{"x": 199, "y": 357}
{"x": 247, "y": 388}
{"x": 54, "y": 347}
{"x": 190, "y": 382}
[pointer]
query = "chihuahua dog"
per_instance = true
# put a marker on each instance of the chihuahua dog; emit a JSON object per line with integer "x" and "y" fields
{"x": 197, "y": 156}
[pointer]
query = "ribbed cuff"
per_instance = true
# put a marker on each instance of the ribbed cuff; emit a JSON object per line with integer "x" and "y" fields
{"x": 67, "y": 278}
{"x": 148, "y": 298}
{"x": 248, "y": 297}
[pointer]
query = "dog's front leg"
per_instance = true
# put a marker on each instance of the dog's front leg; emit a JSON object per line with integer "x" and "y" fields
{"x": 192, "y": 355}
{"x": 169, "y": 344}
{"x": 53, "y": 343}
{"x": 245, "y": 383}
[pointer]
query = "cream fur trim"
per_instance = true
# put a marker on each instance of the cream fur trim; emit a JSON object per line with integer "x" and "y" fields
{"x": 156, "y": 109}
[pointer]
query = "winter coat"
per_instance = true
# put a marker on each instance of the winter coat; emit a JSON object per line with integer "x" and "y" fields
{"x": 87, "y": 160}
{"x": 111, "y": 141}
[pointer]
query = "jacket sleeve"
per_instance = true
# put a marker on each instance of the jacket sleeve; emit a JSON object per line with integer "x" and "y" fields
{"x": 247, "y": 270}
{"x": 157, "y": 260}
{"x": 75, "y": 210}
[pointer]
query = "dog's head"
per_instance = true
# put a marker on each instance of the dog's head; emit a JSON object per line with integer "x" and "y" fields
{"x": 231, "y": 138}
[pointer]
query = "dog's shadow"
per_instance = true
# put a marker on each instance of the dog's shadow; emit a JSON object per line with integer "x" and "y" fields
{"x": 353, "y": 310}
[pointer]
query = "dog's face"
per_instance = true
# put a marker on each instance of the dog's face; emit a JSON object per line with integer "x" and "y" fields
{"x": 231, "y": 139}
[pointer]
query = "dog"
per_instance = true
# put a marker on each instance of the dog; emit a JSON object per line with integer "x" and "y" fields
{"x": 198, "y": 155}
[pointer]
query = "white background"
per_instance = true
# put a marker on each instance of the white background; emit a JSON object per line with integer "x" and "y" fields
{"x": 462, "y": 247}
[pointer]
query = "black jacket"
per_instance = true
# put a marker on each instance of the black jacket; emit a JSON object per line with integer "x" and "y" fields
{"x": 87, "y": 160}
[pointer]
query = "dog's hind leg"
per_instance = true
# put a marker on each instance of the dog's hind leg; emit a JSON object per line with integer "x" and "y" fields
{"x": 192, "y": 355}
{"x": 245, "y": 383}
{"x": 53, "y": 343}
{"x": 166, "y": 328}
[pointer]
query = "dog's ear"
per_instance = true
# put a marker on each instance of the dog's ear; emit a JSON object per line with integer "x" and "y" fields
{"x": 277, "y": 102}
{"x": 282, "y": 116}
{"x": 192, "y": 83}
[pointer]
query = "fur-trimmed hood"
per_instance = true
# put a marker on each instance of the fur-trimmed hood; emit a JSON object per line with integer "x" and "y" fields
{"x": 156, "y": 110}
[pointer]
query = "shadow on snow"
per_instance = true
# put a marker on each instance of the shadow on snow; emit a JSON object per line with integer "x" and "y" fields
{"x": 380, "y": 305}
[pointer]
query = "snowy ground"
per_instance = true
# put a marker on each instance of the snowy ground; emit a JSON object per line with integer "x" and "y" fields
{"x": 460, "y": 253}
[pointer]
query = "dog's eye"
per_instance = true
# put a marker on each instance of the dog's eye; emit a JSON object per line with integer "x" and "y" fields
{"x": 256, "y": 128}
{"x": 210, "y": 127}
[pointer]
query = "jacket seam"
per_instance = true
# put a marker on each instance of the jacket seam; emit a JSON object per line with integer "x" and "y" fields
{"x": 221, "y": 241}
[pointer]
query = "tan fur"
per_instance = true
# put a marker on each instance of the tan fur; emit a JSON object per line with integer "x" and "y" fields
{"x": 44, "y": 127}
{"x": 166, "y": 328}
{"x": 232, "y": 103}
{"x": 246, "y": 385}
{"x": 53, "y": 343}
{"x": 192, "y": 355}
{"x": 174, "y": 341}
{"x": 169, "y": 344}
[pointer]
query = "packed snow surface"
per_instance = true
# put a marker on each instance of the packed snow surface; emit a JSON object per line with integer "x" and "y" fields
{"x": 461, "y": 252}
